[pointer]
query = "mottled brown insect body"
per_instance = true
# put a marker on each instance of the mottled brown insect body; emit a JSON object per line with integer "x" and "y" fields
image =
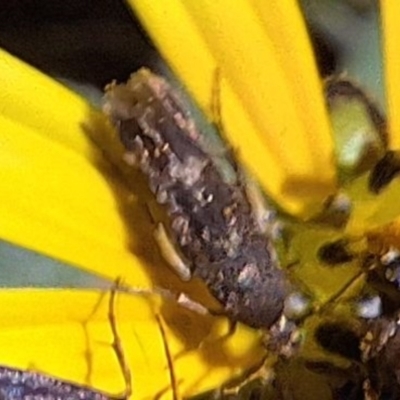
{"x": 380, "y": 352}
{"x": 211, "y": 220}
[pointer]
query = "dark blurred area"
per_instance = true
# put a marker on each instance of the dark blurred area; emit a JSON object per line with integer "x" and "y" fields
{"x": 325, "y": 51}
{"x": 92, "y": 41}
{"x": 347, "y": 36}
{"x": 87, "y": 41}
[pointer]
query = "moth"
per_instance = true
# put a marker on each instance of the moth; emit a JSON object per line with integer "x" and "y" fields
{"x": 214, "y": 232}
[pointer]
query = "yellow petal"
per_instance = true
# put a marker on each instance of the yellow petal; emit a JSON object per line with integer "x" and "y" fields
{"x": 55, "y": 202}
{"x": 274, "y": 116}
{"x": 55, "y": 198}
{"x": 390, "y": 11}
{"x": 33, "y": 99}
{"x": 66, "y": 333}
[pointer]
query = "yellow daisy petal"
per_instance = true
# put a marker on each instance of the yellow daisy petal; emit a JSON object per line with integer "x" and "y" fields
{"x": 33, "y": 99}
{"x": 390, "y": 11}
{"x": 55, "y": 202}
{"x": 38, "y": 324}
{"x": 66, "y": 333}
{"x": 60, "y": 197}
{"x": 264, "y": 103}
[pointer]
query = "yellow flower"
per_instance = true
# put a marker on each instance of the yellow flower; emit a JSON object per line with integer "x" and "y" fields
{"x": 63, "y": 199}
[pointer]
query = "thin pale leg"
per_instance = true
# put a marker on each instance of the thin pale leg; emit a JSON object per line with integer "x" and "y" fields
{"x": 264, "y": 215}
{"x": 170, "y": 254}
{"x": 180, "y": 298}
{"x": 216, "y": 112}
{"x": 186, "y": 302}
{"x": 168, "y": 250}
{"x": 174, "y": 383}
{"x": 262, "y": 371}
{"x": 117, "y": 346}
{"x": 88, "y": 353}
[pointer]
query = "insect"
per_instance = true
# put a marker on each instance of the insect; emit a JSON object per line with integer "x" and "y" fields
{"x": 380, "y": 348}
{"x": 213, "y": 232}
{"x": 17, "y": 384}
{"x": 372, "y": 342}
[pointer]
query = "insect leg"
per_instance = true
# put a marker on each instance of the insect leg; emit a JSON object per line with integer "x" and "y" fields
{"x": 192, "y": 305}
{"x": 187, "y": 303}
{"x": 264, "y": 214}
{"x": 117, "y": 346}
{"x": 170, "y": 254}
{"x": 174, "y": 383}
{"x": 263, "y": 371}
{"x": 216, "y": 111}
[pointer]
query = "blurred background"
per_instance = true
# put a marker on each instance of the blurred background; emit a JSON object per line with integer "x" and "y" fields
{"x": 90, "y": 42}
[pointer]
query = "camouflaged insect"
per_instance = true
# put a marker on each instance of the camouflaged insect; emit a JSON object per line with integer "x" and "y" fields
{"x": 16, "y": 384}
{"x": 214, "y": 230}
{"x": 381, "y": 351}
